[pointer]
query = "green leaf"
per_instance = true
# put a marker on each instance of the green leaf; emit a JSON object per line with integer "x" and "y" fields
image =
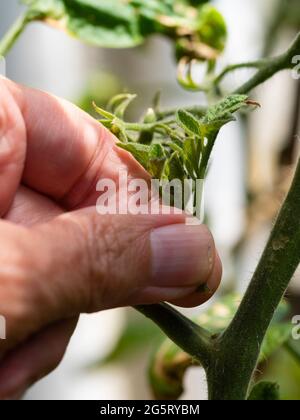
{"x": 192, "y": 153}
{"x": 222, "y": 113}
{"x": 157, "y": 159}
{"x": 176, "y": 148}
{"x": 139, "y": 151}
{"x": 265, "y": 391}
{"x": 167, "y": 370}
{"x": 212, "y": 28}
{"x": 108, "y": 24}
{"x": 126, "y": 24}
{"x": 189, "y": 122}
{"x": 41, "y": 9}
{"x": 216, "y": 116}
{"x": 174, "y": 168}
{"x": 278, "y": 334}
{"x": 229, "y": 105}
{"x": 152, "y": 158}
{"x": 105, "y": 23}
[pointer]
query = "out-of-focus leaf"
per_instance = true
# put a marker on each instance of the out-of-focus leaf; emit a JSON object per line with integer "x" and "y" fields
{"x": 126, "y": 24}
{"x": 293, "y": 348}
{"x": 100, "y": 87}
{"x": 45, "y": 9}
{"x": 138, "y": 334}
{"x": 282, "y": 312}
{"x": 167, "y": 370}
{"x": 278, "y": 334}
{"x": 105, "y": 23}
{"x": 265, "y": 391}
{"x": 212, "y": 28}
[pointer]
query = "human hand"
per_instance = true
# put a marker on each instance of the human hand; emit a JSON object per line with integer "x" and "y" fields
{"x": 59, "y": 258}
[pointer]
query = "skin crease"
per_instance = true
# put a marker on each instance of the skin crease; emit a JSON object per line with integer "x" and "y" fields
{"x": 51, "y": 158}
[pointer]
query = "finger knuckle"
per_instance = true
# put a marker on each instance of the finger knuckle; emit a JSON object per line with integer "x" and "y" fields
{"x": 104, "y": 250}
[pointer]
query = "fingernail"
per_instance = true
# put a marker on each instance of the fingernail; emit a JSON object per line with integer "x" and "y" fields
{"x": 182, "y": 255}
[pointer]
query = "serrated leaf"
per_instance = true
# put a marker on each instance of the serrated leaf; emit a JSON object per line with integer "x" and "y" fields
{"x": 189, "y": 123}
{"x": 223, "y": 109}
{"x": 221, "y": 114}
{"x": 265, "y": 391}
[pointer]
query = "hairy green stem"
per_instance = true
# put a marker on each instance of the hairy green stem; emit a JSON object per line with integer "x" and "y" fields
{"x": 238, "y": 349}
{"x": 272, "y": 66}
{"x": 185, "y": 333}
{"x": 253, "y": 64}
{"x": 7, "y": 42}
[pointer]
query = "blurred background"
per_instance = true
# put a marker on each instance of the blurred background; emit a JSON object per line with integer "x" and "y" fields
{"x": 250, "y": 173}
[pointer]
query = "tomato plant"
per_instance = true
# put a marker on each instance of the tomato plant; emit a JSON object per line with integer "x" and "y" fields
{"x": 178, "y": 144}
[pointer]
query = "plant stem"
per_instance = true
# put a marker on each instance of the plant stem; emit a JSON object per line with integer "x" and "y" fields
{"x": 272, "y": 66}
{"x": 230, "y": 359}
{"x": 253, "y": 64}
{"x": 239, "y": 347}
{"x": 13, "y": 34}
{"x": 185, "y": 333}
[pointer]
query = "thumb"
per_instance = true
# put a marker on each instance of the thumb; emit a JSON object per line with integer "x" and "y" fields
{"x": 84, "y": 262}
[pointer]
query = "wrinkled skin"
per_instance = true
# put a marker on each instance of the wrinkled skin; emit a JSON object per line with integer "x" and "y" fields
{"x": 58, "y": 257}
